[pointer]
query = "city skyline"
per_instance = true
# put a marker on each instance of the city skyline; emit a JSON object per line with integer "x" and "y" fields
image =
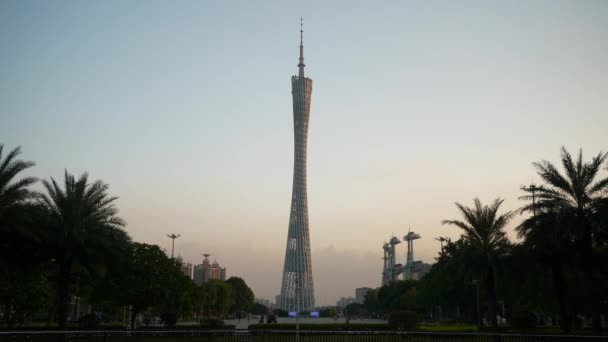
{"x": 184, "y": 111}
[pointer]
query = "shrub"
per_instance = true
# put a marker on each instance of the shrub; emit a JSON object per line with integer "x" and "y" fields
{"x": 404, "y": 320}
{"x": 577, "y": 322}
{"x": 523, "y": 320}
{"x": 281, "y": 313}
{"x": 212, "y": 323}
{"x": 88, "y": 321}
{"x": 169, "y": 319}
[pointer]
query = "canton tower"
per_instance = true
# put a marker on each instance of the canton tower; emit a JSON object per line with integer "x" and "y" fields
{"x": 297, "y": 290}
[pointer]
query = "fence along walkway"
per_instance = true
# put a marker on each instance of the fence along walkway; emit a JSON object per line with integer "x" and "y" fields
{"x": 277, "y": 336}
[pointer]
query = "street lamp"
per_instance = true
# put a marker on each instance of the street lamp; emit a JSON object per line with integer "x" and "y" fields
{"x": 173, "y": 237}
{"x": 441, "y": 240}
{"x": 533, "y": 189}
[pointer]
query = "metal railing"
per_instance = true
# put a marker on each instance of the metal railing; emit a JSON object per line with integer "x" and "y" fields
{"x": 278, "y": 335}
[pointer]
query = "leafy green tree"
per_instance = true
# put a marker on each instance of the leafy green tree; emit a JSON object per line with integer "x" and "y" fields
{"x": 371, "y": 303}
{"x": 328, "y": 312}
{"x": 389, "y": 296}
{"x": 258, "y": 309}
{"x": 218, "y": 297}
{"x": 27, "y": 293}
{"x": 579, "y": 196}
{"x": 354, "y": 309}
{"x": 448, "y": 284}
{"x": 243, "y": 296}
{"x": 149, "y": 279}
{"x": 484, "y": 233}
{"x": 83, "y": 231}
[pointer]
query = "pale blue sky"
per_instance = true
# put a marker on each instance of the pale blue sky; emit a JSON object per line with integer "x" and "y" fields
{"x": 184, "y": 108}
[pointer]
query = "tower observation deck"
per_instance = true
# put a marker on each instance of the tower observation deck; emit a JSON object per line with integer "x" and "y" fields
{"x": 297, "y": 290}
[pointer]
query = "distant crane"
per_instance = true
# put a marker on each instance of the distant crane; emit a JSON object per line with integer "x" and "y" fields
{"x": 173, "y": 237}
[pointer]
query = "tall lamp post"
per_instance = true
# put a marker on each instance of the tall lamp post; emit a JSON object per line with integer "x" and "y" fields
{"x": 533, "y": 189}
{"x": 173, "y": 237}
{"x": 441, "y": 240}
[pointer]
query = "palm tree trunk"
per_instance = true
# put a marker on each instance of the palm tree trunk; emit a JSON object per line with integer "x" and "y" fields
{"x": 588, "y": 274}
{"x": 63, "y": 293}
{"x": 491, "y": 297}
{"x": 561, "y": 292}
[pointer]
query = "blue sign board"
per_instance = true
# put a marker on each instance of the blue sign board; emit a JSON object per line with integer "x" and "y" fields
{"x": 314, "y": 314}
{"x": 292, "y": 314}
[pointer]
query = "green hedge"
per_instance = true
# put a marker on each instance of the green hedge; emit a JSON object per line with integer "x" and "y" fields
{"x": 114, "y": 327}
{"x": 101, "y": 326}
{"x": 461, "y": 328}
{"x": 190, "y": 327}
{"x": 331, "y": 326}
{"x": 404, "y": 320}
{"x": 524, "y": 320}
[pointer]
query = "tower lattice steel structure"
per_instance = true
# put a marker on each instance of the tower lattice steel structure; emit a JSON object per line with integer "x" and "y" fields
{"x": 409, "y": 263}
{"x": 391, "y": 268}
{"x": 297, "y": 290}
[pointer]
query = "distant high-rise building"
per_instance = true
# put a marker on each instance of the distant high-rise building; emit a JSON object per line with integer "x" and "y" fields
{"x": 360, "y": 293}
{"x": 186, "y": 267}
{"x": 297, "y": 290}
{"x": 207, "y": 271}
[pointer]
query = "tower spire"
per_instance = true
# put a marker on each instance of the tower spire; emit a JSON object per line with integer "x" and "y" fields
{"x": 301, "y": 65}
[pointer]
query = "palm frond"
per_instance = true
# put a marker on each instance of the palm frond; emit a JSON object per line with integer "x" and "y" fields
{"x": 549, "y": 173}
{"x": 483, "y": 227}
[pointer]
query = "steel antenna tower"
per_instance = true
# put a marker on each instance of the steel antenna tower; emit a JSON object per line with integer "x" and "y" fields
{"x": 173, "y": 237}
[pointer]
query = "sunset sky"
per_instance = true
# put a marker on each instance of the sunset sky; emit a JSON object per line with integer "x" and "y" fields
{"x": 184, "y": 109}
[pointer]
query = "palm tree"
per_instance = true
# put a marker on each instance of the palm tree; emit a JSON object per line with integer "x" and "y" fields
{"x": 82, "y": 222}
{"x": 17, "y": 246}
{"x": 484, "y": 234}
{"x": 13, "y": 193}
{"x": 578, "y": 196}
{"x": 546, "y": 240}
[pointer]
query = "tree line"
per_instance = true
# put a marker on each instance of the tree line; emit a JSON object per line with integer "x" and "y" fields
{"x": 68, "y": 242}
{"x": 557, "y": 270}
